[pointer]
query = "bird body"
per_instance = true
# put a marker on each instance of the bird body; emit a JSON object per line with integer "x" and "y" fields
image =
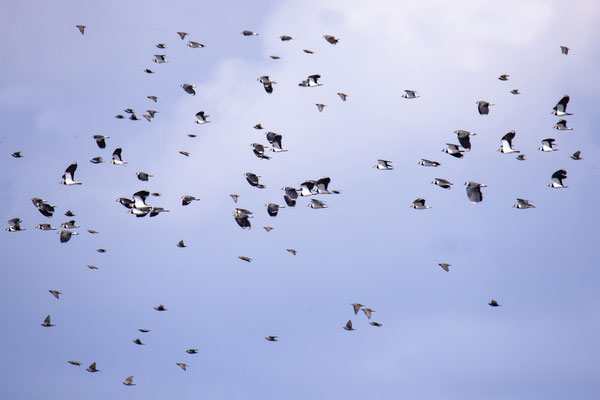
{"x": 474, "y": 192}
{"x": 506, "y": 141}
{"x": 69, "y": 175}
{"x": 557, "y": 179}
{"x": 523, "y": 204}
{"x": 483, "y": 107}
{"x": 547, "y": 145}
{"x": 560, "y": 109}
{"x": 429, "y": 163}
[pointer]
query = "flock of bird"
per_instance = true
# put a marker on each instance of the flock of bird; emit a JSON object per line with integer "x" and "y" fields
{"x": 137, "y": 205}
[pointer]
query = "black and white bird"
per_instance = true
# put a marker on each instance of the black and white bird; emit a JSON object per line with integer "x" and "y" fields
{"x": 443, "y": 183}
{"x": 258, "y": 126}
{"x": 252, "y": 179}
{"x": 383, "y": 164}
{"x": 159, "y": 59}
{"x": 307, "y": 188}
{"x": 69, "y": 225}
{"x": 242, "y": 216}
{"x": 557, "y": 179}
{"x": 267, "y": 83}
{"x": 45, "y": 227}
{"x": 547, "y": 145}
{"x": 503, "y": 77}
{"x": 139, "y": 200}
{"x": 259, "y": 151}
{"x": 290, "y": 196}
{"x": 81, "y": 28}
{"x": 506, "y": 141}
{"x": 564, "y": 50}
{"x": 194, "y": 45}
{"x": 116, "y": 157}
{"x": 343, "y": 96}
{"x": 69, "y": 175}
{"x": 249, "y": 33}
{"x": 419, "y": 204}
{"x": 311, "y": 81}
{"x": 464, "y": 138}
{"x": 474, "y": 192}
{"x": 182, "y": 35}
{"x": 331, "y": 39}
{"x": 271, "y": 338}
{"x": 429, "y": 163}
{"x": 143, "y": 176}
{"x": 483, "y": 107}
{"x": 101, "y": 140}
{"x": 453, "y": 150}
{"x": 129, "y": 381}
{"x": 561, "y": 125}
{"x": 17, "y": 154}
{"x": 560, "y": 109}
{"x": 576, "y": 156}
{"x": 125, "y": 202}
{"x": 148, "y": 71}
{"x": 316, "y": 204}
{"x": 43, "y": 207}
{"x": 47, "y": 323}
{"x": 321, "y": 106}
{"x": 187, "y": 199}
{"x": 273, "y": 209}
{"x": 65, "y": 236}
{"x": 410, "y": 94}
{"x": 189, "y": 88}
{"x": 523, "y": 204}
{"x": 15, "y": 225}
{"x": 515, "y": 91}
{"x": 192, "y": 351}
{"x": 202, "y": 117}
{"x": 275, "y": 140}
{"x": 348, "y": 326}
{"x": 92, "y": 368}
{"x": 322, "y": 184}
{"x": 286, "y": 38}
{"x": 97, "y": 160}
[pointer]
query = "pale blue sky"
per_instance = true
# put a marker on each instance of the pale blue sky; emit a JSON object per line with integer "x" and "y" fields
{"x": 439, "y": 340}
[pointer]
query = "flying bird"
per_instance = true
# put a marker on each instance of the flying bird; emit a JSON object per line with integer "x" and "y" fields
{"x": 194, "y": 45}
{"x": 47, "y": 323}
{"x": 259, "y": 151}
{"x": 101, "y": 140}
{"x": 138, "y": 341}
{"x": 445, "y": 267}
{"x": 116, "y": 157}
{"x": 560, "y": 109}
{"x": 189, "y": 88}
{"x": 506, "y": 141}
{"x": 43, "y": 207}
{"x": 377, "y": 324}
{"x": 97, "y": 160}
{"x": 483, "y": 107}
{"x": 249, "y": 33}
{"x": 561, "y": 125}
{"x": 291, "y": 251}
{"x": 547, "y": 145}
{"x": 368, "y": 312}
{"x": 69, "y": 175}
{"x": 273, "y": 209}
{"x": 348, "y": 326}
{"x": 69, "y": 224}
{"x": 564, "y": 50}
{"x": 356, "y": 307}
{"x": 557, "y": 179}
{"x": 235, "y": 197}
{"x": 474, "y": 192}
{"x": 521, "y": 157}
{"x": 65, "y": 236}
{"x": 443, "y": 183}
{"x": 129, "y": 381}
{"x": 160, "y": 307}
{"x": 268, "y": 228}
{"x": 253, "y": 180}
{"x": 275, "y": 140}
{"x": 181, "y": 244}
{"x": 184, "y": 153}
{"x": 183, "y": 366}
{"x": 161, "y": 46}
{"x": 515, "y": 91}
{"x": 290, "y": 196}
{"x": 384, "y": 165}
{"x": 77, "y": 363}
{"x": 286, "y": 38}
{"x": 316, "y": 204}
{"x": 453, "y": 150}
{"x": 419, "y": 204}
{"x": 503, "y": 77}
{"x": 15, "y": 225}
{"x": 153, "y": 98}
{"x": 464, "y": 138}
{"x": 429, "y": 163}
{"x": 81, "y": 28}
{"x": 321, "y": 107}
{"x": 244, "y": 258}
{"x": 69, "y": 213}
{"x": 202, "y": 117}
{"x": 494, "y": 303}
{"x": 143, "y": 176}
{"x": 148, "y": 71}
{"x": 523, "y": 204}
{"x": 192, "y": 351}
{"x": 45, "y": 227}
{"x": 331, "y": 39}
{"x": 308, "y": 51}
{"x": 159, "y": 59}
{"x": 242, "y": 216}
{"x": 410, "y": 94}
{"x": 182, "y": 35}
{"x": 267, "y": 83}
{"x": 187, "y": 199}
{"x": 92, "y": 368}
{"x": 311, "y": 81}
{"x": 271, "y": 338}
{"x": 16, "y": 154}
{"x": 576, "y": 155}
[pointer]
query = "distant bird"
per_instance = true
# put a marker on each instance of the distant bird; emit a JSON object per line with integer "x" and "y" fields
{"x": 311, "y": 81}
{"x": 152, "y": 113}
{"x": 242, "y": 216}
{"x": 183, "y": 366}
{"x": 93, "y": 232}
{"x": 92, "y": 368}
{"x": 202, "y": 117}
{"x": 259, "y": 151}
{"x": 15, "y": 225}
{"x": 564, "y": 50}
{"x": 185, "y": 200}
{"x": 69, "y": 213}
{"x": 100, "y": 140}
{"x": 81, "y": 28}
{"x": 189, "y": 88}
{"x": 290, "y": 196}
{"x": 161, "y": 46}
{"x": 561, "y": 125}
{"x": 307, "y": 188}
{"x": 160, "y": 307}
{"x": 69, "y": 224}
{"x": 47, "y": 322}
{"x": 557, "y": 179}
{"x": 234, "y": 197}
{"x": 45, "y": 227}
{"x": 273, "y": 209}
{"x": 410, "y": 94}
{"x": 314, "y": 203}
{"x": 474, "y": 192}
{"x": 445, "y": 267}
{"x": 182, "y": 35}
{"x": 157, "y": 210}
{"x": 377, "y": 324}
{"x": 515, "y": 91}
{"x": 77, "y": 363}
{"x": 194, "y": 45}
{"x": 464, "y": 138}
{"x": 268, "y": 228}
{"x": 383, "y": 164}
{"x": 271, "y": 338}
{"x": 286, "y": 38}
{"x": 139, "y": 200}
{"x": 119, "y": 116}
{"x": 116, "y": 157}
{"x": 144, "y": 330}
{"x": 138, "y": 341}
{"x": 192, "y": 351}
{"x": 308, "y": 51}
{"x": 65, "y": 236}
{"x": 547, "y": 145}
{"x": 192, "y": 135}
{"x": 560, "y": 109}
{"x": 322, "y": 184}
{"x": 181, "y": 244}
{"x": 429, "y": 163}
{"x": 249, "y": 33}
{"x": 356, "y": 307}
{"x": 275, "y": 140}
{"x": 275, "y": 57}
{"x": 129, "y": 381}
{"x": 16, "y": 154}
{"x": 134, "y": 117}
{"x": 143, "y": 176}
{"x": 159, "y": 59}
{"x": 258, "y": 126}
{"x": 368, "y": 312}
{"x": 575, "y": 155}
{"x": 521, "y": 157}
{"x": 443, "y": 183}
{"x": 321, "y": 107}
{"x": 147, "y": 117}
{"x": 184, "y": 153}
{"x": 331, "y": 39}
{"x": 153, "y": 98}
{"x": 43, "y": 207}
{"x": 267, "y": 83}
{"x": 348, "y": 326}
{"x": 92, "y": 267}
{"x": 503, "y": 77}
{"x": 343, "y": 96}
{"x": 101, "y": 250}
{"x": 69, "y": 175}
{"x": 453, "y": 150}
{"x": 148, "y": 71}
{"x": 523, "y": 204}
{"x": 419, "y": 204}
{"x": 483, "y": 107}
{"x": 506, "y": 141}
{"x": 291, "y": 251}
{"x": 253, "y": 180}
{"x": 494, "y": 303}
{"x": 244, "y": 258}
{"x": 128, "y": 110}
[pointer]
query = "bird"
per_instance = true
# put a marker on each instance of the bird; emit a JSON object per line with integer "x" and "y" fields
{"x": 331, "y": 39}
{"x": 129, "y": 110}
{"x": 244, "y": 258}
{"x": 561, "y": 125}
{"x": 43, "y": 207}
{"x": 189, "y": 88}
{"x": 65, "y": 236}
{"x": 161, "y": 46}
{"x": 419, "y": 204}
{"x": 92, "y": 368}
{"x": 181, "y": 244}
{"x": 192, "y": 351}
{"x": 47, "y": 323}
{"x": 45, "y": 227}
{"x": 92, "y": 267}
{"x": 560, "y": 109}
{"x": 275, "y": 57}
{"x": 474, "y": 192}
{"x": 384, "y": 165}
{"x": 101, "y": 250}
{"x": 144, "y": 330}
{"x": 377, "y": 324}
{"x": 159, "y": 59}
{"x": 148, "y": 71}
{"x": 249, "y": 33}
{"x": 320, "y": 106}
{"x": 194, "y": 45}
{"x": 506, "y": 146}
{"x": 182, "y": 35}
{"x": 314, "y": 203}
{"x": 483, "y": 107}
{"x": 101, "y": 140}
{"x": 160, "y": 307}
{"x": 252, "y": 179}
{"x": 147, "y": 117}
{"x": 564, "y": 50}
{"x": 322, "y": 184}
{"x": 286, "y": 38}
{"x": 15, "y": 225}
{"x": 153, "y": 98}
{"x": 503, "y": 77}
{"x": 453, "y": 150}
{"x": 129, "y": 381}
{"x": 292, "y": 251}
{"x": 445, "y": 267}
{"x": 307, "y": 187}
{"x": 547, "y": 145}
{"x": 201, "y": 117}
{"x": 183, "y": 366}
{"x": 259, "y": 151}
{"x": 69, "y": 213}
{"x": 575, "y": 155}
{"x": 271, "y": 338}
{"x": 308, "y": 51}
{"x": 139, "y": 213}
{"x": 464, "y": 138}
{"x": 348, "y": 326}
{"x": 410, "y": 94}
{"x": 515, "y": 91}
{"x": 258, "y": 126}
{"x": 521, "y": 157}
{"x": 187, "y": 199}
{"x": 157, "y": 210}
{"x": 184, "y": 153}
{"x": 368, "y": 312}
{"x": 273, "y": 209}
{"x": 143, "y": 176}
{"x": 356, "y": 307}
{"x": 290, "y": 196}
{"x": 17, "y": 154}
{"x": 127, "y": 203}
{"x": 429, "y": 163}
{"x": 116, "y": 157}
{"x": 443, "y": 183}
{"x": 139, "y": 200}
{"x": 268, "y": 228}
{"x": 275, "y": 140}
{"x": 494, "y": 303}
{"x": 235, "y": 197}
{"x": 557, "y": 179}
{"x": 69, "y": 175}
{"x": 267, "y": 83}
{"x": 133, "y": 117}
{"x": 72, "y": 362}
{"x": 138, "y": 341}
{"x": 311, "y": 81}
{"x": 242, "y": 216}
{"x": 119, "y": 116}
{"x": 523, "y": 204}
{"x": 93, "y": 232}
{"x": 69, "y": 224}
{"x": 81, "y": 28}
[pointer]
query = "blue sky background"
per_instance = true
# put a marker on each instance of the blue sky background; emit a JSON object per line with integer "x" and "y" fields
{"x": 439, "y": 340}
